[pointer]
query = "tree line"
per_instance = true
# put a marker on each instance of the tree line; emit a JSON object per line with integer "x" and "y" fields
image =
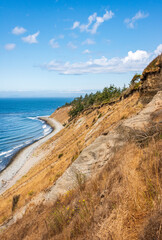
{"x": 108, "y": 94}
{"x": 81, "y": 103}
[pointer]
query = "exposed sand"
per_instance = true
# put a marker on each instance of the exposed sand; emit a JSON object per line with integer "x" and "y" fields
{"x": 25, "y": 159}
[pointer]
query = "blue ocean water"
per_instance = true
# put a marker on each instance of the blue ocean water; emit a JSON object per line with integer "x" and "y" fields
{"x": 19, "y": 123}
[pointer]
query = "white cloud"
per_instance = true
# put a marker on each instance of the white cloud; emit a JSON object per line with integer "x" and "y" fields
{"x": 139, "y": 55}
{"x": 133, "y": 62}
{"x": 10, "y": 46}
{"x": 71, "y": 45}
{"x": 86, "y": 51}
{"x": 18, "y": 30}
{"x": 61, "y": 36}
{"x": 91, "y": 19}
{"x": 94, "y": 22}
{"x": 31, "y": 38}
{"x": 88, "y": 41}
{"x": 131, "y": 21}
{"x": 75, "y": 25}
{"x": 53, "y": 43}
{"x": 158, "y": 50}
{"x": 99, "y": 20}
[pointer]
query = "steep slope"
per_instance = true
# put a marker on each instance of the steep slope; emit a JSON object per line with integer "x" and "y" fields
{"x": 123, "y": 195}
{"x": 151, "y": 80}
{"x": 107, "y": 162}
{"x": 69, "y": 142}
{"x": 95, "y": 156}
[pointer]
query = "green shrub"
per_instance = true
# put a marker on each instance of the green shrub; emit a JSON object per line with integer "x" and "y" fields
{"x": 136, "y": 78}
{"x": 99, "y": 115}
{"x": 74, "y": 157}
{"x": 60, "y": 155}
{"x": 30, "y": 193}
{"x": 15, "y": 201}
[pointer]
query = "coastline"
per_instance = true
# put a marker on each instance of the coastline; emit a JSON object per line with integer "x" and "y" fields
{"x": 23, "y": 160}
{"x": 44, "y": 119}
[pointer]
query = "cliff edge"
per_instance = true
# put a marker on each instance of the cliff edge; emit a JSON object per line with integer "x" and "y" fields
{"x": 151, "y": 80}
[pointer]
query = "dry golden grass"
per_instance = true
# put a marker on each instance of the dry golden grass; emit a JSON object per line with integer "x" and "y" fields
{"x": 61, "y": 114}
{"x": 116, "y": 204}
{"x": 78, "y": 134}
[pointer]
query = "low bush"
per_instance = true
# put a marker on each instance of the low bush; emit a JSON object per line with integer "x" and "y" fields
{"x": 60, "y": 155}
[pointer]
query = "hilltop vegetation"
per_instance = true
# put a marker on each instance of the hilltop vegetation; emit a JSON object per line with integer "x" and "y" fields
{"x": 107, "y": 95}
{"x": 81, "y": 103}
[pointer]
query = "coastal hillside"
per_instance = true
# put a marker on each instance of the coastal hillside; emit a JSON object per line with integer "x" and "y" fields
{"x": 100, "y": 176}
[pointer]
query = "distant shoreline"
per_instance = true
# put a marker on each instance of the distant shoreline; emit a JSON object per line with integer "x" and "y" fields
{"x": 20, "y": 164}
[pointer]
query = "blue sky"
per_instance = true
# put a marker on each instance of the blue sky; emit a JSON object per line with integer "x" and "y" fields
{"x": 76, "y": 45}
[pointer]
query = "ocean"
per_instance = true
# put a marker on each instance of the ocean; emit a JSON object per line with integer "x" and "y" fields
{"x": 19, "y": 123}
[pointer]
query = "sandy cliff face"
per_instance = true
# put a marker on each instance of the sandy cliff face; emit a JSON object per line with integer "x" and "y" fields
{"x": 116, "y": 148}
{"x": 61, "y": 114}
{"x": 94, "y": 157}
{"x": 151, "y": 80}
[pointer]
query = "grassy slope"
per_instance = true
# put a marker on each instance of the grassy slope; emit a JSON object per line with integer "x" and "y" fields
{"x": 76, "y": 136}
{"x": 123, "y": 202}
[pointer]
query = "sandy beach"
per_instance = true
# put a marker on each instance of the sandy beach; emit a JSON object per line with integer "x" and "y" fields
{"x": 25, "y": 159}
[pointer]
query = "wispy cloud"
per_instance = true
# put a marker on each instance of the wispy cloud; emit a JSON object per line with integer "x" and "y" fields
{"x": 132, "y": 62}
{"x": 53, "y": 43}
{"x": 108, "y": 41}
{"x": 88, "y": 41}
{"x": 71, "y": 8}
{"x": 100, "y": 20}
{"x": 86, "y": 51}
{"x": 71, "y": 45}
{"x": 18, "y": 30}
{"x": 158, "y": 50}
{"x": 93, "y": 22}
{"x": 131, "y": 21}
{"x": 73, "y": 35}
{"x": 75, "y": 25}
{"x": 61, "y": 36}
{"x": 31, "y": 38}
{"x": 91, "y": 19}
{"x": 10, "y": 46}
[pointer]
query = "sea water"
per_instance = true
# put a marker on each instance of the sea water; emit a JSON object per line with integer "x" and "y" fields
{"x": 20, "y": 125}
